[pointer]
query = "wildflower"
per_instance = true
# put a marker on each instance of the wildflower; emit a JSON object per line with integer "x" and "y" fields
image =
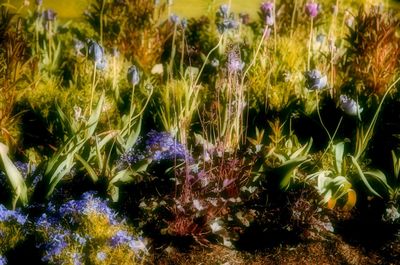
{"x": 320, "y": 38}
{"x": 39, "y": 2}
{"x": 235, "y": 64}
{"x": 133, "y": 75}
{"x": 349, "y": 106}
{"x": 162, "y": 146}
{"x": 101, "y": 256}
{"x": 312, "y": 9}
{"x": 335, "y": 10}
{"x": 3, "y": 260}
{"x": 227, "y": 24}
{"x": 157, "y": 69}
{"x": 214, "y": 63}
{"x": 174, "y": 19}
{"x": 78, "y": 46}
{"x": 223, "y": 10}
{"x": 184, "y": 23}
{"x": 49, "y": 15}
{"x": 96, "y": 53}
{"x": 9, "y": 216}
{"x": 267, "y": 9}
{"x": 56, "y": 246}
{"x": 77, "y": 258}
{"x": 315, "y": 81}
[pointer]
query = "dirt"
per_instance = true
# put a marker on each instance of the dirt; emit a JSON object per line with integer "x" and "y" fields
{"x": 331, "y": 251}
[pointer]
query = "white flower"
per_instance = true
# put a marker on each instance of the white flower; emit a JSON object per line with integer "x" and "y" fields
{"x": 197, "y": 205}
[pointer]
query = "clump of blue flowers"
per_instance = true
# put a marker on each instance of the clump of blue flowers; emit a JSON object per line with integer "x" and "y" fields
{"x": 158, "y": 147}
{"x": 87, "y": 230}
{"x": 12, "y": 230}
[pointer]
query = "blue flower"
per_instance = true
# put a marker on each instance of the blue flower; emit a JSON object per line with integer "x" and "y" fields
{"x": 184, "y": 23}
{"x": 315, "y": 80}
{"x": 349, "y": 106}
{"x": 223, "y": 10}
{"x": 174, "y": 19}
{"x": 9, "y": 216}
{"x": 49, "y": 15}
{"x": 312, "y": 9}
{"x": 133, "y": 75}
{"x": 55, "y": 246}
{"x": 96, "y": 54}
{"x": 162, "y": 146}
{"x": 123, "y": 238}
{"x": 101, "y": 256}
{"x": 267, "y": 10}
{"x": 3, "y": 260}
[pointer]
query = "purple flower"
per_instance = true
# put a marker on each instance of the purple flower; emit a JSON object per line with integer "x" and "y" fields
{"x": 312, "y": 9}
{"x": 349, "y": 106}
{"x": 101, "y": 256}
{"x": 9, "y": 216}
{"x": 123, "y": 238}
{"x": 133, "y": 75}
{"x": 315, "y": 81}
{"x": 223, "y": 10}
{"x": 267, "y": 9}
{"x": 162, "y": 146}
{"x": 174, "y": 19}
{"x": 55, "y": 246}
{"x": 3, "y": 260}
{"x": 235, "y": 64}
{"x": 95, "y": 51}
{"x": 49, "y": 15}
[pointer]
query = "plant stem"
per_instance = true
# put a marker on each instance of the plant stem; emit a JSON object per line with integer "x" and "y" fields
{"x": 101, "y": 21}
{"x": 93, "y": 88}
{"x": 320, "y": 118}
{"x": 310, "y": 44}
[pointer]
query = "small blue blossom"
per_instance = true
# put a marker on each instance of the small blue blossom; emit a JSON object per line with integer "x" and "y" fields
{"x": 223, "y": 10}
{"x": 162, "y": 146}
{"x": 9, "y": 216}
{"x": 133, "y": 75}
{"x": 184, "y": 23}
{"x": 3, "y": 260}
{"x": 349, "y": 106}
{"x": 55, "y": 246}
{"x": 174, "y": 19}
{"x": 101, "y": 256}
{"x": 49, "y": 15}
{"x": 96, "y": 54}
{"x": 315, "y": 80}
{"x": 76, "y": 258}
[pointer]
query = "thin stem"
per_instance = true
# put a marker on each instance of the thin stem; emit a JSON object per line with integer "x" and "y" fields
{"x": 293, "y": 16}
{"x": 310, "y": 44}
{"x": 93, "y": 88}
{"x": 320, "y": 118}
{"x": 131, "y": 109}
{"x": 101, "y": 21}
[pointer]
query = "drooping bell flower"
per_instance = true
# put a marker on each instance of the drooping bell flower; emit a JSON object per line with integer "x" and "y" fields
{"x": 223, "y": 10}
{"x": 312, "y": 9}
{"x": 174, "y": 19}
{"x": 133, "y": 75}
{"x": 349, "y": 106}
{"x": 95, "y": 51}
{"x": 315, "y": 80}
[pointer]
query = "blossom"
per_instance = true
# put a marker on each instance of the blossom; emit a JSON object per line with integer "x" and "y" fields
{"x": 49, "y": 15}
{"x": 133, "y": 75}
{"x": 349, "y": 106}
{"x": 227, "y": 24}
{"x": 267, "y": 9}
{"x": 223, "y": 10}
{"x": 3, "y": 260}
{"x": 215, "y": 62}
{"x": 235, "y": 64}
{"x": 9, "y": 216}
{"x": 184, "y": 23}
{"x": 174, "y": 19}
{"x": 315, "y": 80}
{"x": 312, "y": 9}
{"x": 96, "y": 53}
{"x": 101, "y": 256}
{"x": 162, "y": 146}
{"x": 39, "y": 2}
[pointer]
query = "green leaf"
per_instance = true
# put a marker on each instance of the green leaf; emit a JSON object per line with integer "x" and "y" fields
{"x": 363, "y": 177}
{"x": 14, "y": 176}
{"x": 88, "y": 168}
{"x": 339, "y": 151}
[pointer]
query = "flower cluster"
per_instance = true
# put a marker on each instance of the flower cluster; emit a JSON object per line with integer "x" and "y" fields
{"x": 162, "y": 146}
{"x": 235, "y": 64}
{"x": 315, "y": 80}
{"x": 3, "y": 260}
{"x": 86, "y": 229}
{"x": 226, "y": 21}
{"x": 9, "y": 216}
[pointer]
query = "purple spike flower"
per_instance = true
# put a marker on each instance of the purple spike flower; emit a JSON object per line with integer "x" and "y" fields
{"x": 267, "y": 9}
{"x": 312, "y": 9}
{"x": 49, "y": 15}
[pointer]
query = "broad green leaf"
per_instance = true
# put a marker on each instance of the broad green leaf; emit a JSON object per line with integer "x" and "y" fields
{"x": 363, "y": 178}
{"x": 88, "y": 168}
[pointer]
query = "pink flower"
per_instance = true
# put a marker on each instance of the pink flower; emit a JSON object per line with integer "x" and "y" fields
{"x": 312, "y": 9}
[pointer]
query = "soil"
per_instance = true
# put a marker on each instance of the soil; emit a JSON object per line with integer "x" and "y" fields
{"x": 328, "y": 251}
